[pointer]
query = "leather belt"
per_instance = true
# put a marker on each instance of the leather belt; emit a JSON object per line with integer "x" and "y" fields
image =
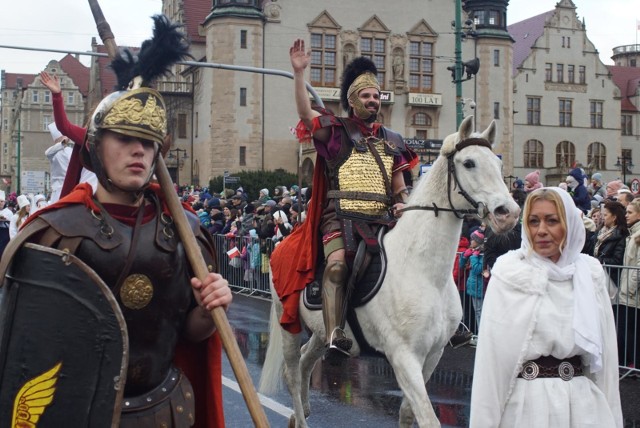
{"x": 548, "y": 367}
{"x": 156, "y": 395}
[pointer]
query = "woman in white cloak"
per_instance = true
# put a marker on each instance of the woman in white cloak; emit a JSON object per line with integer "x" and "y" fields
{"x": 546, "y": 303}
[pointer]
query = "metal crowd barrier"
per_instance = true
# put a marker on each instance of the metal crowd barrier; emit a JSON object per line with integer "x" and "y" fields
{"x": 253, "y": 279}
{"x": 246, "y": 272}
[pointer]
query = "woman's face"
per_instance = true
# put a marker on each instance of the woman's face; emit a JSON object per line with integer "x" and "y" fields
{"x": 545, "y": 229}
{"x": 226, "y": 211}
{"x": 608, "y": 218}
{"x": 632, "y": 215}
{"x": 597, "y": 217}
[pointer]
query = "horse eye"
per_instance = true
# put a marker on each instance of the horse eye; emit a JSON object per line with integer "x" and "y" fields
{"x": 469, "y": 164}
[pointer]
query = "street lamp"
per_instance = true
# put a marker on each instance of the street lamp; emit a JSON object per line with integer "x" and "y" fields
{"x": 626, "y": 163}
{"x": 177, "y": 152}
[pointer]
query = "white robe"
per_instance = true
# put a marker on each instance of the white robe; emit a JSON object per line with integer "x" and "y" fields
{"x": 520, "y": 321}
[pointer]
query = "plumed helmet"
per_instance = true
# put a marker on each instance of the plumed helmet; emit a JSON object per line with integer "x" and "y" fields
{"x": 135, "y": 109}
{"x": 356, "y": 68}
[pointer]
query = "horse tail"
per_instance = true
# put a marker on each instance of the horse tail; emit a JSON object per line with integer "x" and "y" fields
{"x": 273, "y": 368}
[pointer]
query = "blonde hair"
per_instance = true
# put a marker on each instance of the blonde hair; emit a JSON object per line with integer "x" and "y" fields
{"x": 550, "y": 196}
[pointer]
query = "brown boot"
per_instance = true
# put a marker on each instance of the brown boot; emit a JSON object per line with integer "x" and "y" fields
{"x": 334, "y": 283}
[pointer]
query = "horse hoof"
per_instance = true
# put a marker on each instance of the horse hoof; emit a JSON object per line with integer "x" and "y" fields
{"x": 292, "y": 422}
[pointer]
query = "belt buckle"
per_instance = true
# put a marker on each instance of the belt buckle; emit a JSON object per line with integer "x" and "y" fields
{"x": 566, "y": 371}
{"x": 530, "y": 370}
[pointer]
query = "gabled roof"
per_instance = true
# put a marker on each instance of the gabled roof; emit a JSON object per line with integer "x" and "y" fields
{"x": 11, "y": 80}
{"x": 78, "y": 72}
{"x": 627, "y": 79}
{"x": 195, "y": 12}
{"x": 525, "y": 33}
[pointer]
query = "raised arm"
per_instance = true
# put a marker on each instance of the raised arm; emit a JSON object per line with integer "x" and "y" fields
{"x": 73, "y": 132}
{"x": 300, "y": 61}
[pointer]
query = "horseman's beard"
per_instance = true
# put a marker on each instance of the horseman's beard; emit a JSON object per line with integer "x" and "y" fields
{"x": 360, "y": 111}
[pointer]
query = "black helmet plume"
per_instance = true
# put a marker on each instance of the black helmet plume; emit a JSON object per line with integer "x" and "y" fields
{"x": 155, "y": 57}
{"x": 354, "y": 69}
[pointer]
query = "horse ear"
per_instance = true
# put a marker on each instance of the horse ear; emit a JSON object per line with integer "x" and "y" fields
{"x": 489, "y": 134}
{"x": 466, "y": 128}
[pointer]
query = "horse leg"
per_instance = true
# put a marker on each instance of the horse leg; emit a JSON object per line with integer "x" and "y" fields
{"x": 312, "y": 351}
{"x": 406, "y": 414}
{"x": 415, "y": 401}
{"x": 291, "y": 347}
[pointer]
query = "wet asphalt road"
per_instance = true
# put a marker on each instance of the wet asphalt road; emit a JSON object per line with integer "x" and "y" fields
{"x": 362, "y": 392}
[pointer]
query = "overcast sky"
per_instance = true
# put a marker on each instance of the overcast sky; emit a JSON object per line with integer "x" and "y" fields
{"x": 68, "y": 25}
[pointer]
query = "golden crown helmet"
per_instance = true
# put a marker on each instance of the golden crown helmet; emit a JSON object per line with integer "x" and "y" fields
{"x": 359, "y": 74}
{"x": 135, "y": 109}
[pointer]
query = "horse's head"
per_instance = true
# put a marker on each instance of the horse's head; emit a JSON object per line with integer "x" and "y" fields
{"x": 475, "y": 176}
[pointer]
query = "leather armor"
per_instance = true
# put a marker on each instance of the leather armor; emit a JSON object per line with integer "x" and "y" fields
{"x": 154, "y": 294}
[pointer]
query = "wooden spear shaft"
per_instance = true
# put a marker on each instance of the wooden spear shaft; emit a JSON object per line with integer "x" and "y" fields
{"x": 194, "y": 255}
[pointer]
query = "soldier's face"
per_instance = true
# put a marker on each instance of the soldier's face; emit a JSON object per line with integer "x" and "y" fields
{"x": 127, "y": 160}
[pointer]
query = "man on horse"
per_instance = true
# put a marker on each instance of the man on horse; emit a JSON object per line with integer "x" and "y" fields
{"x": 358, "y": 180}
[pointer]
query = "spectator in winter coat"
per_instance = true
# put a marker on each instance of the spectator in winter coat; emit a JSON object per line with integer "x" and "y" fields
{"x": 598, "y": 185}
{"x": 577, "y": 190}
{"x": 612, "y": 238}
{"x": 475, "y": 281}
{"x": 532, "y": 181}
{"x": 612, "y": 189}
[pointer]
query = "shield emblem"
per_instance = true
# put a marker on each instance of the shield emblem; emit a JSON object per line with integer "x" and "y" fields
{"x": 63, "y": 343}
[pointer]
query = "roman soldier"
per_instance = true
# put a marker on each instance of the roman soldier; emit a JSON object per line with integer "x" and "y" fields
{"x": 122, "y": 238}
{"x": 358, "y": 186}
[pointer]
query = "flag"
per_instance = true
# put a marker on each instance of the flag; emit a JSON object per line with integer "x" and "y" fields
{"x": 234, "y": 252}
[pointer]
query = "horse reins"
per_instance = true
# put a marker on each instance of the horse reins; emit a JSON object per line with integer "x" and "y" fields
{"x": 451, "y": 172}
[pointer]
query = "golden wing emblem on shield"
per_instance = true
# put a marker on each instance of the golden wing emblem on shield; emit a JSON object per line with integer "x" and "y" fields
{"x": 34, "y": 397}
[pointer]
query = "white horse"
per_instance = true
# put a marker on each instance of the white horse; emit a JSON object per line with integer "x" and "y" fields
{"x": 417, "y": 309}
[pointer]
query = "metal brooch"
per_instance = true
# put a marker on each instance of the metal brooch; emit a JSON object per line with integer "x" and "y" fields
{"x": 530, "y": 370}
{"x": 565, "y": 371}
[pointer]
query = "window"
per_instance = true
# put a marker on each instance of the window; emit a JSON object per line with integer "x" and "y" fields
{"x": 243, "y": 155}
{"x": 597, "y": 156}
{"x": 35, "y": 96}
{"x": 626, "y": 125}
{"x": 421, "y": 134}
{"x": 496, "y": 110}
{"x": 323, "y": 59}
{"x": 533, "y": 154}
{"x": 71, "y": 98}
{"x": 243, "y": 96}
{"x": 479, "y": 17}
{"x": 421, "y": 66}
{"x": 571, "y": 74}
{"x": 496, "y": 58}
{"x": 565, "y": 110}
{"x": 421, "y": 119}
{"x": 243, "y": 39}
{"x": 494, "y": 17}
{"x": 568, "y": 42}
{"x": 47, "y": 96}
{"x": 548, "y": 67}
{"x": 182, "y": 125}
{"x": 533, "y": 111}
{"x": 565, "y": 154}
{"x": 375, "y": 49}
{"x": 560, "y": 72}
{"x": 596, "y": 114}
{"x": 582, "y": 75}
{"x": 5, "y": 124}
{"x": 46, "y": 120}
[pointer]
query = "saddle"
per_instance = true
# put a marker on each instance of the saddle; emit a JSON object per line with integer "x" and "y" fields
{"x": 367, "y": 269}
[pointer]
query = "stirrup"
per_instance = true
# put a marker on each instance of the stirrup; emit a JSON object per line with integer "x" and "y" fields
{"x": 340, "y": 342}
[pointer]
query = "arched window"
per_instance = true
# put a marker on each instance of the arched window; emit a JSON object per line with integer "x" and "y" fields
{"x": 533, "y": 154}
{"x": 596, "y": 156}
{"x": 565, "y": 154}
{"x": 421, "y": 122}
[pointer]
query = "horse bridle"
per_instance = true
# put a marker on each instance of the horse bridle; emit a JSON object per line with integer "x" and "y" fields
{"x": 478, "y": 206}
